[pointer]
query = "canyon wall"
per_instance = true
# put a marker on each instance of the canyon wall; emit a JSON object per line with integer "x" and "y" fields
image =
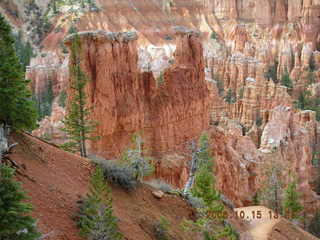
{"x": 167, "y": 112}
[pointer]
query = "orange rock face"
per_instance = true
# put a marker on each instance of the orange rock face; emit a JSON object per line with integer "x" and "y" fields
{"x": 167, "y": 112}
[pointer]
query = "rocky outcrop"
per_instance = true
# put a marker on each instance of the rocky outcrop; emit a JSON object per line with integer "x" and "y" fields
{"x": 167, "y": 111}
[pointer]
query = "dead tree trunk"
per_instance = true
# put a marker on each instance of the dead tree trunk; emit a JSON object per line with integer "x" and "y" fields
{"x": 192, "y": 171}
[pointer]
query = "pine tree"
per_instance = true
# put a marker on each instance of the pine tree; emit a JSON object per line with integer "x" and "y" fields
{"x": 286, "y": 80}
{"x": 96, "y": 220}
{"x": 230, "y": 97}
{"x": 17, "y": 110}
{"x": 291, "y": 205}
{"x": 78, "y": 125}
{"x": 271, "y": 194}
{"x": 14, "y": 221}
{"x": 204, "y": 189}
{"x": 204, "y": 186}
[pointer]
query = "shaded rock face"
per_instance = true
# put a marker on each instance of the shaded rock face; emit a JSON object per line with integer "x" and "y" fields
{"x": 167, "y": 112}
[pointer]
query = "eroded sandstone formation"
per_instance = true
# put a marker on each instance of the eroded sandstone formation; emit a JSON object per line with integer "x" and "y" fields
{"x": 167, "y": 112}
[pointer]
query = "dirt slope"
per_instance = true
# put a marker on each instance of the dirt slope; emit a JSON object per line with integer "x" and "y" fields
{"x": 59, "y": 181}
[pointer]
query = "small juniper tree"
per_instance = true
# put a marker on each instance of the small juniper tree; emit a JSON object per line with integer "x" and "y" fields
{"x": 291, "y": 205}
{"x": 17, "y": 110}
{"x": 78, "y": 125}
{"x": 14, "y": 220}
{"x": 96, "y": 219}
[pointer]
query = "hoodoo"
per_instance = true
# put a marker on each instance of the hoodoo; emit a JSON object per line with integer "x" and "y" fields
{"x": 167, "y": 111}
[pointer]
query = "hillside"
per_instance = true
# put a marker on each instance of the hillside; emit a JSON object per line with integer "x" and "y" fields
{"x": 55, "y": 181}
{"x": 59, "y": 180}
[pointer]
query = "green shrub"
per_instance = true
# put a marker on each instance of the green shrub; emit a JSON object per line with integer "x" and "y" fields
{"x": 120, "y": 175}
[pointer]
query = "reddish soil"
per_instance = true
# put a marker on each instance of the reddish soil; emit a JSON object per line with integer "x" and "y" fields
{"x": 60, "y": 179}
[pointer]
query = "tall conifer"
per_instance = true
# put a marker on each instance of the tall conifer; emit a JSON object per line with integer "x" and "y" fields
{"x": 17, "y": 110}
{"x": 96, "y": 215}
{"x": 14, "y": 223}
{"x": 78, "y": 125}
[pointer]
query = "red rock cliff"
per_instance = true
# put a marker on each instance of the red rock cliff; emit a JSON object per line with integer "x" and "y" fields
{"x": 167, "y": 112}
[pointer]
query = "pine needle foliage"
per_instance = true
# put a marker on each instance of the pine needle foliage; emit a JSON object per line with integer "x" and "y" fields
{"x": 14, "y": 220}
{"x": 96, "y": 219}
{"x": 204, "y": 189}
{"x": 204, "y": 186}
{"x": 17, "y": 110}
{"x": 291, "y": 204}
{"x": 286, "y": 80}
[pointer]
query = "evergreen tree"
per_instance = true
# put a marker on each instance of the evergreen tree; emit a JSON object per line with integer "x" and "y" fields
{"x": 291, "y": 205}
{"x": 230, "y": 97}
{"x": 204, "y": 189}
{"x": 96, "y": 220}
{"x": 286, "y": 80}
{"x": 24, "y": 50}
{"x": 14, "y": 221}
{"x": 17, "y": 110}
{"x": 78, "y": 125}
{"x": 272, "y": 191}
{"x": 45, "y": 101}
{"x": 204, "y": 186}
